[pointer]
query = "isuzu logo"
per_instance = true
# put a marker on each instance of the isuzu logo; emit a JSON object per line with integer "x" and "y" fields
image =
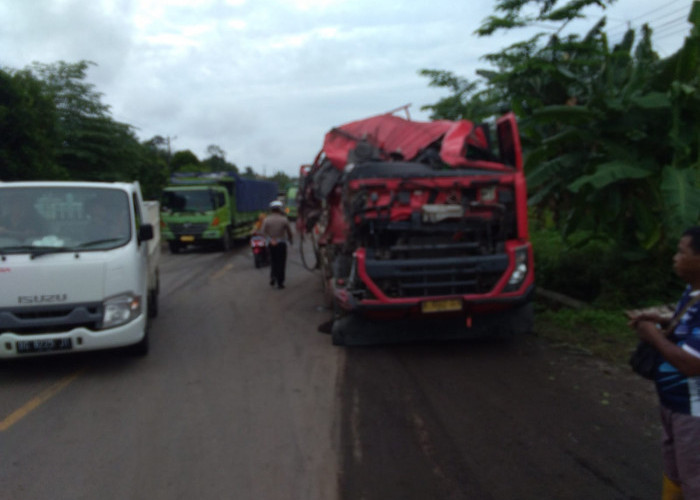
{"x": 42, "y": 299}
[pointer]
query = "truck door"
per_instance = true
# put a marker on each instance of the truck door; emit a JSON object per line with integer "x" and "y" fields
{"x": 509, "y": 141}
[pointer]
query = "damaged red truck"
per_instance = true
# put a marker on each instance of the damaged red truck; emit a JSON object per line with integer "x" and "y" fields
{"x": 421, "y": 226}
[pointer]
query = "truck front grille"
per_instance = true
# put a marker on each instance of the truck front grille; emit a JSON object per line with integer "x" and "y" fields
{"x": 50, "y": 319}
{"x": 187, "y": 228}
{"x": 435, "y": 277}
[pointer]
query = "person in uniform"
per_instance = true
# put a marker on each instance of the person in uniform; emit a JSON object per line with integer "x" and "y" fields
{"x": 278, "y": 231}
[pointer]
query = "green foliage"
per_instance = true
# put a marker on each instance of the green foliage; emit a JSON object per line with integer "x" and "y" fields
{"x": 611, "y": 134}
{"x": 518, "y": 13}
{"x": 602, "y": 333}
{"x": 28, "y": 139}
{"x": 596, "y": 272}
{"x": 465, "y": 98}
{"x": 151, "y": 170}
{"x": 282, "y": 180}
{"x": 93, "y": 146}
{"x": 605, "y": 322}
{"x": 185, "y": 161}
{"x": 54, "y": 126}
{"x": 216, "y": 162}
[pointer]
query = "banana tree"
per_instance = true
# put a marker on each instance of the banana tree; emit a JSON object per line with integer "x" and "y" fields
{"x": 612, "y": 135}
{"x": 639, "y": 185}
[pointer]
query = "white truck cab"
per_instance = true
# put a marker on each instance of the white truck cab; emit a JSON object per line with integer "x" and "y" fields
{"x": 78, "y": 267}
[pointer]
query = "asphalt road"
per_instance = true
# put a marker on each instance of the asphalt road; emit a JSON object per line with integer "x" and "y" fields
{"x": 242, "y": 398}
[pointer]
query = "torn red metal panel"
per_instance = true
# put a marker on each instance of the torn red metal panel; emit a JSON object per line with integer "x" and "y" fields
{"x": 394, "y": 135}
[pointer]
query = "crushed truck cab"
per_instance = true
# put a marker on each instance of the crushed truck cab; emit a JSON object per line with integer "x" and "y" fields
{"x": 78, "y": 267}
{"x": 422, "y": 221}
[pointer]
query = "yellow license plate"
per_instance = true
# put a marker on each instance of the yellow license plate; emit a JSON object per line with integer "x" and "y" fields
{"x": 186, "y": 238}
{"x": 431, "y": 306}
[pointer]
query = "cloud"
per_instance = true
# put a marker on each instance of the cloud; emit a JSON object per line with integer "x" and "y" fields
{"x": 263, "y": 79}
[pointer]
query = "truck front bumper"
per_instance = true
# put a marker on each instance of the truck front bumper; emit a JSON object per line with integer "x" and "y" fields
{"x": 468, "y": 306}
{"x": 13, "y": 345}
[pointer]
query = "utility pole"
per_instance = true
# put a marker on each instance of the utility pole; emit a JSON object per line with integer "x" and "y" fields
{"x": 170, "y": 153}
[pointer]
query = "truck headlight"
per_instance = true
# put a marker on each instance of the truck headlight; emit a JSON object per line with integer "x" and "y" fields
{"x": 519, "y": 271}
{"x": 121, "y": 309}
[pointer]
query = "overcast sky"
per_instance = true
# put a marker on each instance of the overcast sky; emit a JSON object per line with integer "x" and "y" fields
{"x": 265, "y": 79}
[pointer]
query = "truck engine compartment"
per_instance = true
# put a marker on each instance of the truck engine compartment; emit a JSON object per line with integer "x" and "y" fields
{"x": 439, "y": 232}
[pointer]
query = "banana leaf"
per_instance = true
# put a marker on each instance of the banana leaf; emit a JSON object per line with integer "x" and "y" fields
{"x": 652, "y": 100}
{"x": 680, "y": 190}
{"x": 609, "y": 173}
{"x": 566, "y": 114}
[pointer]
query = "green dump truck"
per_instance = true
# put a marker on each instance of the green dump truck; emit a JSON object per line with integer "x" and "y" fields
{"x": 211, "y": 208}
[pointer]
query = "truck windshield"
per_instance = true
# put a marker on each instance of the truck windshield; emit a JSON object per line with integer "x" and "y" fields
{"x": 195, "y": 200}
{"x": 47, "y": 219}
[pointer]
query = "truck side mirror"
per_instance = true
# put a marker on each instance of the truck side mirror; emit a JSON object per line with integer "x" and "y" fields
{"x": 145, "y": 232}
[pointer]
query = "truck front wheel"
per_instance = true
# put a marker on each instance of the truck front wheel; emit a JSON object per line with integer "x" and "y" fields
{"x": 174, "y": 246}
{"x": 153, "y": 303}
{"x": 337, "y": 329}
{"x": 226, "y": 241}
{"x": 337, "y": 335}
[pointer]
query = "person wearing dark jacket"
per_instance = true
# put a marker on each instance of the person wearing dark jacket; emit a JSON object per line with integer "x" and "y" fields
{"x": 278, "y": 230}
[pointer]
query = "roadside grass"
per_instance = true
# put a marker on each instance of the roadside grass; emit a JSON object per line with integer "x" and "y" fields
{"x": 595, "y": 283}
{"x": 597, "y": 332}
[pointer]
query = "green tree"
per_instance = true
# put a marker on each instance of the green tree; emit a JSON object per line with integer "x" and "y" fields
{"x": 282, "y": 180}
{"x": 160, "y": 147}
{"x": 611, "y": 134}
{"x": 28, "y": 138}
{"x": 216, "y": 161}
{"x": 92, "y": 143}
{"x": 185, "y": 161}
{"x": 151, "y": 169}
{"x": 465, "y": 99}
{"x": 60, "y": 119}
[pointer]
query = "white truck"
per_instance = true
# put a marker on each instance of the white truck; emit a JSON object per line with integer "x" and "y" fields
{"x": 78, "y": 267}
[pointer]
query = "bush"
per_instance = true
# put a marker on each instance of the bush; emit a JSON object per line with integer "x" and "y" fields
{"x": 597, "y": 273}
{"x": 604, "y": 334}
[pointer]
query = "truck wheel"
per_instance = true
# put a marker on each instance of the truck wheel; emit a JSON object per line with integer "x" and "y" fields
{"x": 174, "y": 246}
{"x": 226, "y": 241}
{"x": 341, "y": 266}
{"x": 337, "y": 333}
{"x": 153, "y": 303}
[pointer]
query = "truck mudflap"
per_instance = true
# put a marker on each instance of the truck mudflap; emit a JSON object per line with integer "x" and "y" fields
{"x": 358, "y": 329}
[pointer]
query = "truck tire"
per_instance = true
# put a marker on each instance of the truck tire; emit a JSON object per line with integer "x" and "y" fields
{"x": 153, "y": 303}
{"x": 337, "y": 332}
{"x": 226, "y": 241}
{"x": 337, "y": 335}
{"x": 342, "y": 264}
{"x": 174, "y": 246}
